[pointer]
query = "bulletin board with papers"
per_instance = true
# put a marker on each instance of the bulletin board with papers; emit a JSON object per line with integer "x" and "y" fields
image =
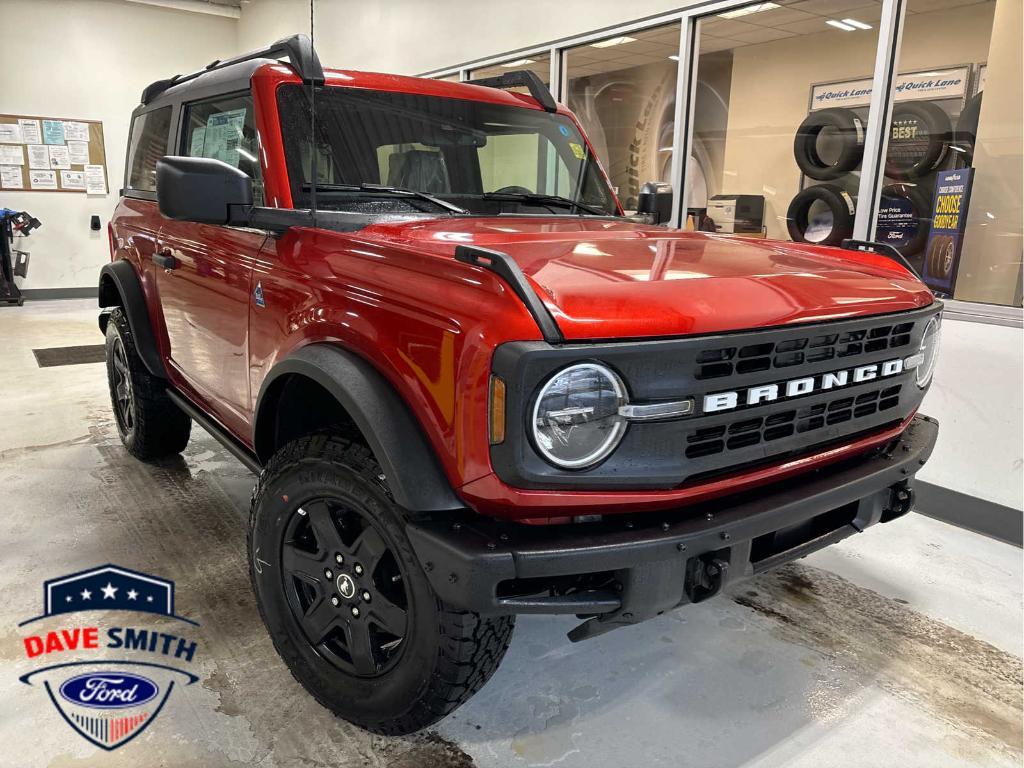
{"x": 47, "y": 154}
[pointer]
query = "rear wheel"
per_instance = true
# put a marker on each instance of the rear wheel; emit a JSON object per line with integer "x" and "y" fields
{"x": 344, "y": 597}
{"x": 149, "y": 424}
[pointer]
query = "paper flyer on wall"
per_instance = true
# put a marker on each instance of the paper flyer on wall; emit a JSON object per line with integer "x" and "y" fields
{"x": 42, "y": 179}
{"x": 60, "y": 158}
{"x": 11, "y": 154}
{"x": 79, "y": 152}
{"x": 53, "y": 132}
{"x": 10, "y": 177}
{"x": 31, "y": 133}
{"x": 76, "y": 131}
{"x": 38, "y": 156}
{"x": 72, "y": 179}
{"x": 95, "y": 180}
{"x": 10, "y": 133}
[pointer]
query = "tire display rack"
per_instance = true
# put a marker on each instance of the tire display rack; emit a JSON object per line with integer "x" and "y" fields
{"x": 926, "y": 136}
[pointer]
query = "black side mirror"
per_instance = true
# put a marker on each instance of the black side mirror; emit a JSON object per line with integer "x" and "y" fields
{"x": 655, "y": 201}
{"x": 203, "y": 190}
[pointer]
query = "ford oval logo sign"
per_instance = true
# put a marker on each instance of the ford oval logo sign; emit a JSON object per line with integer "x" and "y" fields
{"x": 109, "y": 690}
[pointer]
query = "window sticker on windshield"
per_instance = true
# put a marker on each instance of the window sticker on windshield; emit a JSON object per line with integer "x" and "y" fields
{"x": 563, "y": 130}
{"x": 577, "y": 149}
{"x": 224, "y": 136}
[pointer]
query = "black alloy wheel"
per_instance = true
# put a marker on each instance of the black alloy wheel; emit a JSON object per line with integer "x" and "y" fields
{"x": 346, "y": 600}
{"x": 344, "y": 586}
{"x": 124, "y": 407}
{"x": 149, "y": 424}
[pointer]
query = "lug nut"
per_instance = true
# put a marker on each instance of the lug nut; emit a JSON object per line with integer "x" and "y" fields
{"x": 328, "y": 575}
{"x": 335, "y": 601}
{"x": 358, "y": 569}
{"x": 366, "y": 596}
{"x": 339, "y": 559}
{"x": 355, "y": 612}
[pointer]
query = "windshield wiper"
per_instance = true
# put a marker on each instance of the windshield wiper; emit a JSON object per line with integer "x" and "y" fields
{"x": 386, "y": 190}
{"x": 537, "y": 197}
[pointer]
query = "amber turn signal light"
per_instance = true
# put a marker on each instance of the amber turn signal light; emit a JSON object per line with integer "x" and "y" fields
{"x": 496, "y": 421}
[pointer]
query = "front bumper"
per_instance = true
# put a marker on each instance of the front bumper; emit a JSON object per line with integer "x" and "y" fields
{"x": 632, "y": 568}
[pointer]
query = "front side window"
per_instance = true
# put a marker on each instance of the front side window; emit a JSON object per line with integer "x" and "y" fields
{"x": 224, "y": 128}
{"x": 148, "y": 144}
{"x": 488, "y": 159}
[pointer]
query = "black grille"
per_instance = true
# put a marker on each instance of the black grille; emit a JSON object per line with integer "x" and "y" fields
{"x": 727, "y": 361}
{"x": 747, "y": 432}
{"x": 756, "y": 431}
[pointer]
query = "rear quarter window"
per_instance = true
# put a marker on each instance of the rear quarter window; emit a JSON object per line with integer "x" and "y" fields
{"x": 148, "y": 143}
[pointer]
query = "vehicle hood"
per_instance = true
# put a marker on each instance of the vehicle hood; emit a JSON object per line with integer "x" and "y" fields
{"x": 605, "y": 278}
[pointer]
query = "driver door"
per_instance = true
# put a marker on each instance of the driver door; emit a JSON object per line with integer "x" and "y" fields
{"x": 204, "y": 272}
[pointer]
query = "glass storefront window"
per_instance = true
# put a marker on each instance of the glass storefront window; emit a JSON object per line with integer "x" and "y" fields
{"x": 623, "y": 90}
{"x": 539, "y": 63}
{"x": 951, "y": 200}
{"x": 779, "y": 119}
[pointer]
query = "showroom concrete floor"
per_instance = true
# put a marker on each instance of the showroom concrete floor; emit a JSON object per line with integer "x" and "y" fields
{"x": 901, "y": 646}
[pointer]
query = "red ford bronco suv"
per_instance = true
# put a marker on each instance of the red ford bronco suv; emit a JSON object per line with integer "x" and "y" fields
{"x": 471, "y": 387}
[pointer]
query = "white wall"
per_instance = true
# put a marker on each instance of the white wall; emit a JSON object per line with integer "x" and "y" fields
{"x": 976, "y": 396}
{"x": 109, "y": 51}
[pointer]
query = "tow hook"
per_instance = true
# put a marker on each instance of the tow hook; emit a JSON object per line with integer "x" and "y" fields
{"x": 705, "y": 577}
{"x": 901, "y": 501}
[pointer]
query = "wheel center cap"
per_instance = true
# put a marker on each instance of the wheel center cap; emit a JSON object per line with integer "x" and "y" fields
{"x": 346, "y": 587}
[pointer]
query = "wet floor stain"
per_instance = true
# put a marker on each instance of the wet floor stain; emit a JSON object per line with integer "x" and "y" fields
{"x": 969, "y": 684}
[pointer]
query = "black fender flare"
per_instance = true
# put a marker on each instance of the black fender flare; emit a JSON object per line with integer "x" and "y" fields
{"x": 122, "y": 274}
{"x": 412, "y": 469}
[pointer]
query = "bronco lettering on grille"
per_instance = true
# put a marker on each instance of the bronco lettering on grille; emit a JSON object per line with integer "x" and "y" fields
{"x": 766, "y": 393}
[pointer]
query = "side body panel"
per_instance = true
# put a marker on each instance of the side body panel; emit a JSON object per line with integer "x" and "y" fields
{"x": 429, "y": 327}
{"x": 134, "y": 234}
{"x": 204, "y": 302}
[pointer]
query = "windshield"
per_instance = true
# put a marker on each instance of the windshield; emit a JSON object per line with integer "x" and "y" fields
{"x": 375, "y": 147}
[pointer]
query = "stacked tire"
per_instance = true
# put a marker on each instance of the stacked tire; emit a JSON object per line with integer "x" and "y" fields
{"x": 839, "y": 218}
{"x": 918, "y": 141}
{"x": 848, "y": 131}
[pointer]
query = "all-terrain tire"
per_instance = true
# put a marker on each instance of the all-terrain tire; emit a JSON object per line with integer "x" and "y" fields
{"x": 445, "y": 655}
{"x": 149, "y": 423}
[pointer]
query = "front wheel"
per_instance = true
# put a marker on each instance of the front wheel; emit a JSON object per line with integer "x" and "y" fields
{"x": 344, "y": 597}
{"x": 148, "y": 422}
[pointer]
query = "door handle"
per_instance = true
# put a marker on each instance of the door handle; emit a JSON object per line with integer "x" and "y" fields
{"x": 165, "y": 259}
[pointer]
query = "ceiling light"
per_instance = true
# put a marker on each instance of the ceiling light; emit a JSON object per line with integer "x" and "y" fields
{"x": 517, "y": 63}
{"x": 612, "y": 41}
{"x": 857, "y": 24}
{"x": 841, "y": 25}
{"x": 674, "y": 57}
{"x": 756, "y": 8}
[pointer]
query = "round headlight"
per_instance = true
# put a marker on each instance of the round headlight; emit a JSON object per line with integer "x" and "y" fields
{"x": 576, "y": 420}
{"x": 929, "y": 351}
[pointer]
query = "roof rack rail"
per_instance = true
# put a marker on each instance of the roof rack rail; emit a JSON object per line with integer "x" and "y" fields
{"x": 519, "y": 78}
{"x": 298, "y": 49}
